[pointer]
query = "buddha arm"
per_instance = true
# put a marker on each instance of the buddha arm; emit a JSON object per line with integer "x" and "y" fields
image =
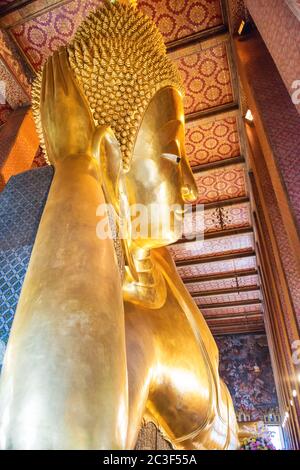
{"x": 64, "y": 380}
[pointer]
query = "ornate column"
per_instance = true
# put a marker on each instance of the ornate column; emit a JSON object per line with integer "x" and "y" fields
{"x": 273, "y": 141}
{"x": 278, "y": 24}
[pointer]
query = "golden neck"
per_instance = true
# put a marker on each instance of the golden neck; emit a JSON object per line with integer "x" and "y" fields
{"x": 150, "y": 288}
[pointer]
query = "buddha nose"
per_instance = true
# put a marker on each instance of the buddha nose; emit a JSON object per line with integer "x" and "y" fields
{"x": 189, "y": 190}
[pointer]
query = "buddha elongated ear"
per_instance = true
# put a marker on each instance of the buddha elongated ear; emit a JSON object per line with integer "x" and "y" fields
{"x": 106, "y": 150}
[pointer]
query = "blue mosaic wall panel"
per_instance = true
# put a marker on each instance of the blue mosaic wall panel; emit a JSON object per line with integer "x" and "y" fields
{"x": 21, "y": 206}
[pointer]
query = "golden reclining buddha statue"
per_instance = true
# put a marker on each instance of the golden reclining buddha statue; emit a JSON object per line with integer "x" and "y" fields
{"x": 105, "y": 333}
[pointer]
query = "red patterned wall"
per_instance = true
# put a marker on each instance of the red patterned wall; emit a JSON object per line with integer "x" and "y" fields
{"x": 5, "y": 111}
{"x": 280, "y": 30}
{"x": 278, "y": 120}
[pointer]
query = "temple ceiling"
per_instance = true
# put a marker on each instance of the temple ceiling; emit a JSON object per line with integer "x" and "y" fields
{"x": 221, "y": 272}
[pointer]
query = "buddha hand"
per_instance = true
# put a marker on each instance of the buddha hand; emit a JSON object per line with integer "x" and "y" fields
{"x": 67, "y": 122}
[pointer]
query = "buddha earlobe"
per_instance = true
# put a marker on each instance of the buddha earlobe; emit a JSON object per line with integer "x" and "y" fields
{"x": 106, "y": 150}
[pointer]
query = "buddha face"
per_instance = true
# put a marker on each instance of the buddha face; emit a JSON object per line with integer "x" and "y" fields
{"x": 160, "y": 179}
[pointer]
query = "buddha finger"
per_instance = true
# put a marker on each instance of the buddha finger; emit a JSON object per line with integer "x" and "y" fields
{"x": 69, "y": 78}
{"x": 64, "y": 67}
{"x": 49, "y": 87}
{"x": 60, "y": 87}
{"x": 44, "y": 85}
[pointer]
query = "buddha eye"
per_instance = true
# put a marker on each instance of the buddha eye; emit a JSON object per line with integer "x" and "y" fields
{"x": 170, "y": 156}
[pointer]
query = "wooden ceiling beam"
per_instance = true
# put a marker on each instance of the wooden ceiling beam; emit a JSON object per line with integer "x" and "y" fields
{"x": 233, "y": 290}
{"x": 14, "y": 6}
{"x": 216, "y": 32}
{"x": 216, "y": 277}
{"x": 219, "y": 164}
{"x": 217, "y": 234}
{"x": 212, "y": 258}
{"x": 228, "y": 232}
{"x": 22, "y": 14}
{"x": 237, "y": 303}
{"x": 224, "y": 10}
{"x": 225, "y": 203}
{"x": 222, "y": 324}
{"x": 235, "y": 322}
{"x": 235, "y": 317}
{"x": 258, "y": 329}
{"x": 218, "y": 112}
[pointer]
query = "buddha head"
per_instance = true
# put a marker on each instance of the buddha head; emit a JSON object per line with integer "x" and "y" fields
{"x": 119, "y": 59}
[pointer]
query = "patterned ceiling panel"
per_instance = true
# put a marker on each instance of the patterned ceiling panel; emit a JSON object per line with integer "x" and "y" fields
{"x": 217, "y": 219}
{"x": 178, "y": 18}
{"x": 246, "y": 281}
{"x": 217, "y": 267}
{"x": 212, "y": 141}
{"x": 42, "y": 35}
{"x": 233, "y": 216}
{"x": 226, "y": 298}
{"x": 233, "y": 310}
{"x": 217, "y": 284}
{"x": 209, "y": 247}
{"x": 206, "y": 76}
{"x": 221, "y": 183}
